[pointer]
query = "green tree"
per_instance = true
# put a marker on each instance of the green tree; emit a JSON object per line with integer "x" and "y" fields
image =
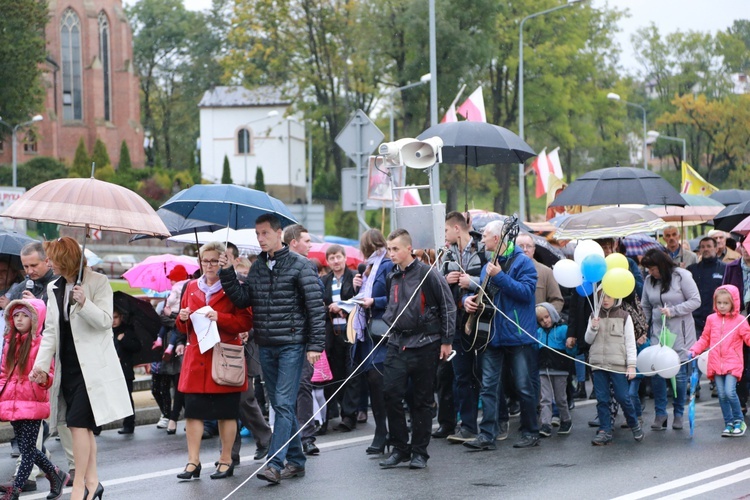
{"x": 226, "y": 173}
{"x": 125, "y": 163}
{"x": 81, "y": 162}
{"x": 260, "y": 183}
{"x": 100, "y": 156}
{"x": 22, "y": 52}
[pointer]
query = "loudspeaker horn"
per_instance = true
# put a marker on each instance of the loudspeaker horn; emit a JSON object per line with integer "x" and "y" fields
{"x": 392, "y": 150}
{"x": 422, "y": 154}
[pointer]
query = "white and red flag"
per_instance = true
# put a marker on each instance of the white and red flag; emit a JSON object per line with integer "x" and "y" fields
{"x": 473, "y": 108}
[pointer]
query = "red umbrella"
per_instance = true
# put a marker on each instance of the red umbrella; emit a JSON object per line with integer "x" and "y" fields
{"x": 353, "y": 255}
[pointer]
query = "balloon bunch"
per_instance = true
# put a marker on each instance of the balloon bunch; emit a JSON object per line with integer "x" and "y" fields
{"x": 659, "y": 360}
{"x": 588, "y": 267}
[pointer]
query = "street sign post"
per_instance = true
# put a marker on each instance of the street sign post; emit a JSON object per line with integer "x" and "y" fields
{"x": 358, "y": 139}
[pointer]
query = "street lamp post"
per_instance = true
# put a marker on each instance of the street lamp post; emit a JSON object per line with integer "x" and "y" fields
{"x": 521, "y": 179}
{"x": 14, "y": 142}
{"x": 247, "y": 137}
{"x": 656, "y": 135}
{"x": 422, "y": 80}
{"x": 616, "y": 97}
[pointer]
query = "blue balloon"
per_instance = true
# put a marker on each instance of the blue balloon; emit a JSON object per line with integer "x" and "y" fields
{"x": 593, "y": 268}
{"x": 585, "y": 289}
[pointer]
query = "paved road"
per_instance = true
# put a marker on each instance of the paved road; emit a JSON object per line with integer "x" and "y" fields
{"x": 665, "y": 465}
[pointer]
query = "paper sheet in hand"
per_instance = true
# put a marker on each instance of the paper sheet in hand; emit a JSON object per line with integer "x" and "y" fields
{"x": 205, "y": 329}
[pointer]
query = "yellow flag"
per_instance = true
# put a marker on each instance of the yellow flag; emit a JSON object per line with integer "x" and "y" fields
{"x": 693, "y": 183}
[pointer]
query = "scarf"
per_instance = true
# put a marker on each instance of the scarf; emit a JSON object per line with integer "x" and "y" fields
{"x": 209, "y": 290}
{"x": 373, "y": 262}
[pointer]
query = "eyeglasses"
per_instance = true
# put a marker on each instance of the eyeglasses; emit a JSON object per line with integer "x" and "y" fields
{"x": 525, "y": 247}
{"x": 214, "y": 262}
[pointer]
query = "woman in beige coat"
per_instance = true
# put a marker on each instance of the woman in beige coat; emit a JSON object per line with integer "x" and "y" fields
{"x": 90, "y": 389}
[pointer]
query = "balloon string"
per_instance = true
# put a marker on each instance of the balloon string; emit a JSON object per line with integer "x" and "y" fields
{"x": 648, "y": 374}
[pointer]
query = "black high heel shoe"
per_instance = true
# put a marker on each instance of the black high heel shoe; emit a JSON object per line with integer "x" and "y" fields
{"x": 98, "y": 492}
{"x": 221, "y": 475}
{"x": 189, "y": 474}
{"x": 379, "y": 446}
{"x": 172, "y": 431}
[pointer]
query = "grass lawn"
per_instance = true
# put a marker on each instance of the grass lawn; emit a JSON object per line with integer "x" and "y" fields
{"x": 122, "y": 286}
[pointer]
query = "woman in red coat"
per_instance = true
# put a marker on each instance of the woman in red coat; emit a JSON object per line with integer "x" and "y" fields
{"x": 204, "y": 398}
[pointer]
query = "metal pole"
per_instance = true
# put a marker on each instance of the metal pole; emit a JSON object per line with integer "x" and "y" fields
{"x": 645, "y": 147}
{"x": 310, "y": 169}
{"x": 391, "y": 120}
{"x": 434, "y": 91}
{"x": 246, "y": 136}
{"x": 14, "y": 143}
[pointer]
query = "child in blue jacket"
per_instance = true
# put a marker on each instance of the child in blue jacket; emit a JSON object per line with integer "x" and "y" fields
{"x": 553, "y": 368}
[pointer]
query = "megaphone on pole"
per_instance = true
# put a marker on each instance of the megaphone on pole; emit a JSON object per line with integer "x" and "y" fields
{"x": 422, "y": 154}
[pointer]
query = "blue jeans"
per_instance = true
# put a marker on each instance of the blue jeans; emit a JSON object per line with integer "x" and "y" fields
{"x": 602, "y": 380}
{"x": 524, "y": 372}
{"x": 282, "y": 369}
{"x": 659, "y": 388}
{"x": 726, "y": 386}
{"x": 633, "y": 387}
{"x": 580, "y": 368}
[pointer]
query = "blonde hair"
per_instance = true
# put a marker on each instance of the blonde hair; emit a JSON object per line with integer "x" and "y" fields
{"x": 213, "y": 246}
{"x": 724, "y": 291}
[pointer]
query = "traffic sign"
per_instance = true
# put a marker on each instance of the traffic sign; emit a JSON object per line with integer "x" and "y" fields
{"x": 359, "y": 128}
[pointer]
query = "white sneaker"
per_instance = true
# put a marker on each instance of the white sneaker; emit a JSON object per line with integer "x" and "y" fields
{"x": 163, "y": 423}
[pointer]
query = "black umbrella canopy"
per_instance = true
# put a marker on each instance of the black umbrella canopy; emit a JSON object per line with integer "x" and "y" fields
{"x": 177, "y": 225}
{"x": 732, "y": 215}
{"x": 145, "y": 321}
{"x": 731, "y": 196}
{"x": 478, "y": 143}
{"x": 619, "y": 186}
{"x": 12, "y": 242}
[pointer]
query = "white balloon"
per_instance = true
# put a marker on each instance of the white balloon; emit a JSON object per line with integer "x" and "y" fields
{"x": 645, "y": 360}
{"x": 567, "y": 273}
{"x": 703, "y": 362}
{"x": 667, "y": 362}
{"x": 584, "y": 248}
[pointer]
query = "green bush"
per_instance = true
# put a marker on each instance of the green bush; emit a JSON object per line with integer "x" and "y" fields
{"x": 125, "y": 163}
{"x": 226, "y": 173}
{"x": 100, "y": 156}
{"x": 260, "y": 182}
{"x": 81, "y": 161}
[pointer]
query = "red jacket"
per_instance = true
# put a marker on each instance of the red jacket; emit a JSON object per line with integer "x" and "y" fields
{"x": 725, "y": 357}
{"x": 20, "y": 398}
{"x": 195, "y": 376}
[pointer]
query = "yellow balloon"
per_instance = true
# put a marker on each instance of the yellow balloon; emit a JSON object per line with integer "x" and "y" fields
{"x": 618, "y": 283}
{"x": 617, "y": 261}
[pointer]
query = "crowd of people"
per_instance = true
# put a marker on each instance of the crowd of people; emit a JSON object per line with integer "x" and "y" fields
{"x": 481, "y": 326}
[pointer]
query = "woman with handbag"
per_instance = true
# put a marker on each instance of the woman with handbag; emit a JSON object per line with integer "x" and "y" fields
{"x": 207, "y": 396}
{"x": 370, "y": 328}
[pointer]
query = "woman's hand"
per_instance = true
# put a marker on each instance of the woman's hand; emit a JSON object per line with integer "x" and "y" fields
{"x": 666, "y": 312}
{"x": 357, "y": 281}
{"x": 78, "y": 295}
{"x": 38, "y": 376}
{"x": 180, "y": 349}
{"x": 212, "y": 315}
{"x": 368, "y": 302}
{"x": 184, "y": 314}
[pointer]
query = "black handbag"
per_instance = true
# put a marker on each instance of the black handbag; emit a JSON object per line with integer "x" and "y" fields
{"x": 377, "y": 327}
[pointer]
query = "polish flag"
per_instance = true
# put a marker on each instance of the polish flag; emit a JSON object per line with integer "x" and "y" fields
{"x": 473, "y": 108}
{"x": 554, "y": 160}
{"x": 411, "y": 198}
{"x": 542, "y": 168}
{"x": 450, "y": 115}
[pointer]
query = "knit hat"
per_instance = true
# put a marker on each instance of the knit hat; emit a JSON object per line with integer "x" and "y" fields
{"x": 553, "y": 314}
{"x": 22, "y": 309}
{"x": 178, "y": 273}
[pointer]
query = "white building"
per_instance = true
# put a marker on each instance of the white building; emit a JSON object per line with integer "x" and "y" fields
{"x": 251, "y": 129}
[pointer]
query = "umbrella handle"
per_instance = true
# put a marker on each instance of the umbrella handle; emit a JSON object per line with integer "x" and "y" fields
{"x": 83, "y": 253}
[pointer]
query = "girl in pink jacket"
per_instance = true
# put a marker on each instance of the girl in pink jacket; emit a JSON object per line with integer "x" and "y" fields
{"x": 23, "y": 403}
{"x": 724, "y": 333}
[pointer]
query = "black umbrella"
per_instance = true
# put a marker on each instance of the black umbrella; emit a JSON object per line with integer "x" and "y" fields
{"x": 619, "y": 186}
{"x": 177, "y": 225}
{"x": 146, "y": 324}
{"x": 12, "y": 242}
{"x": 478, "y": 143}
{"x": 731, "y": 196}
{"x": 732, "y": 215}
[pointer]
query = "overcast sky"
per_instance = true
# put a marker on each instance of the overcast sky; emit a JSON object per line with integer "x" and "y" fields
{"x": 669, "y": 16}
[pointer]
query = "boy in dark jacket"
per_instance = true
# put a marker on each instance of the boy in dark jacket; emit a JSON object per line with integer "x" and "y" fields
{"x": 554, "y": 368}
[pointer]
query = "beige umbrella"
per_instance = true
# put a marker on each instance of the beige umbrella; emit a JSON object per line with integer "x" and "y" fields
{"x": 88, "y": 203}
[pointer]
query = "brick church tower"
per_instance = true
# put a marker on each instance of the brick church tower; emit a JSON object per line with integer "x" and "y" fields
{"x": 91, "y": 83}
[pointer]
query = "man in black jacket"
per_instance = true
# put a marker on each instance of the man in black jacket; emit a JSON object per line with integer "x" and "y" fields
{"x": 289, "y": 321}
{"x": 708, "y": 274}
{"x": 339, "y": 286}
{"x": 422, "y": 313}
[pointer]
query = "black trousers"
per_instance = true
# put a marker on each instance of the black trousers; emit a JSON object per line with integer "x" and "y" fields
{"x": 444, "y": 387}
{"x": 417, "y": 366}
{"x": 339, "y": 354}
{"x": 305, "y": 403}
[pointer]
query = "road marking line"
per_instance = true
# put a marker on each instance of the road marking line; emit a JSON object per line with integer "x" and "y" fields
{"x": 714, "y": 485}
{"x": 684, "y": 481}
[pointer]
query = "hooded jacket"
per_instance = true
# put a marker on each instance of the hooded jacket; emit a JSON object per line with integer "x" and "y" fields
{"x": 613, "y": 343}
{"x": 554, "y": 343}
{"x": 515, "y": 297}
{"x": 20, "y": 398}
{"x": 725, "y": 356}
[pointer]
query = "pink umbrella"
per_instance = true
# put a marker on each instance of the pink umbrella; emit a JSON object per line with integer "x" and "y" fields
{"x": 152, "y": 272}
{"x": 353, "y": 256}
{"x": 743, "y": 227}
